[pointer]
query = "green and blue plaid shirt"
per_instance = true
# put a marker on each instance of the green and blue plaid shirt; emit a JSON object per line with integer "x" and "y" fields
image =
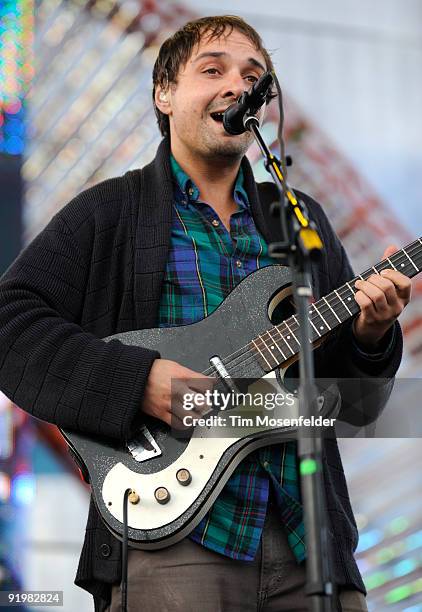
{"x": 205, "y": 263}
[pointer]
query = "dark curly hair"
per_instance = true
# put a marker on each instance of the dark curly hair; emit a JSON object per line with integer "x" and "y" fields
{"x": 176, "y": 50}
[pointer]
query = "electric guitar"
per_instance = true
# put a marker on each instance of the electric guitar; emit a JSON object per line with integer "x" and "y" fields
{"x": 174, "y": 480}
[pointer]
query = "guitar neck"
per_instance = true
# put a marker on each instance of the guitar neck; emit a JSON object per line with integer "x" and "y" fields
{"x": 280, "y": 343}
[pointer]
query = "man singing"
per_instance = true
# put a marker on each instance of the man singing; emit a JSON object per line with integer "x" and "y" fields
{"x": 163, "y": 246}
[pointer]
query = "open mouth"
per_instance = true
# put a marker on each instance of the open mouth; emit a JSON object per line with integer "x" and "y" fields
{"x": 217, "y": 117}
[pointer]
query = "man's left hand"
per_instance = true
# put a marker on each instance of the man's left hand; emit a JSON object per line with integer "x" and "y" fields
{"x": 382, "y": 299}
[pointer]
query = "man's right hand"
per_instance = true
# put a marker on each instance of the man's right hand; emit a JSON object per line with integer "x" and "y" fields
{"x": 167, "y": 383}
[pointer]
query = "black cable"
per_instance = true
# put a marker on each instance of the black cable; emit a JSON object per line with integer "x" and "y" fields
{"x": 280, "y": 124}
{"x": 124, "y": 552}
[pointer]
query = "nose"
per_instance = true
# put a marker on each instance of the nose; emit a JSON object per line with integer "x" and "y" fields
{"x": 233, "y": 86}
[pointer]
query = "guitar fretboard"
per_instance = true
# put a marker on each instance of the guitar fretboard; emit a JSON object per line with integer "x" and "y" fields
{"x": 281, "y": 342}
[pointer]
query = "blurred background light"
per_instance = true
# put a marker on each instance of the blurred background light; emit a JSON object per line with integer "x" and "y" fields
{"x": 75, "y": 105}
{"x": 23, "y": 489}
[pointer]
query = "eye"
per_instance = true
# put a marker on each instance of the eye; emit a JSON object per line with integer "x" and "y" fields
{"x": 252, "y": 78}
{"x": 211, "y": 71}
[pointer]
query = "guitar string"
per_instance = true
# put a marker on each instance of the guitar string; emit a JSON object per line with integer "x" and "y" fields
{"x": 232, "y": 358}
{"x": 241, "y": 352}
{"x": 324, "y": 308}
{"x": 237, "y": 359}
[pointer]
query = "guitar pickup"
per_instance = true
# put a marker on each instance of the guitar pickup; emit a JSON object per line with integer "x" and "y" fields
{"x": 144, "y": 446}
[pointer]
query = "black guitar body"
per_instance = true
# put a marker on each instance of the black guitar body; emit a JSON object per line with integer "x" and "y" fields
{"x": 242, "y": 316}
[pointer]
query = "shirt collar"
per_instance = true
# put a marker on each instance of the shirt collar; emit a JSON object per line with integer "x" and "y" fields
{"x": 190, "y": 192}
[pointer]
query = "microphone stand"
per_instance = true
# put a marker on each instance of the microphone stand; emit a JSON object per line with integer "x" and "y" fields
{"x": 300, "y": 244}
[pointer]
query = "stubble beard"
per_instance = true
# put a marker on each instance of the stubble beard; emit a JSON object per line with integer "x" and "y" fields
{"x": 227, "y": 147}
{"x": 212, "y": 146}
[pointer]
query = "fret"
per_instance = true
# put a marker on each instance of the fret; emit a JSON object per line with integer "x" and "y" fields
{"x": 326, "y": 315}
{"x": 418, "y": 254}
{"x": 398, "y": 262}
{"x": 335, "y": 303}
{"x": 367, "y": 274}
{"x": 261, "y": 353}
{"x": 418, "y": 260}
{"x": 411, "y": 261}
{"x": 353, "y": 307}
{"x": 363, "y": 277}
{"x": 310, "y": 321}
{"x": 391, "y": 263}
{"x": 293, "y": 334}
{"x": 353, "y": 304}
{"x": 349, "y": 299}
{"x": 383, "y": 265}
{"x": 285, "y": 340}
{"x": 297, "y": 323}
{"x": 320, "y": 315}
{"x": 272, "y": 347}
{"x": 342, "y": 301}
{"x": 332, "y": 310}
{"x": 407, "y": 267}
{"x": 269, "y": 347}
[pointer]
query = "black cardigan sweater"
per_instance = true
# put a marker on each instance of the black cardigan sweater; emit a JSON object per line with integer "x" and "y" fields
{"x": 96, "y": 270}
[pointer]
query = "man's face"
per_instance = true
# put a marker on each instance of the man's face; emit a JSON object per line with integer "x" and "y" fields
{"x": 215, "y": 75}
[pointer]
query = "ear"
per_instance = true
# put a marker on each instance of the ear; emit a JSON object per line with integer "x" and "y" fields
{"x": 162, "y": 99}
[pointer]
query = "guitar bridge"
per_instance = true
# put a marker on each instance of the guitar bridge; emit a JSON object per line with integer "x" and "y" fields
{"x": 144, "y": 446}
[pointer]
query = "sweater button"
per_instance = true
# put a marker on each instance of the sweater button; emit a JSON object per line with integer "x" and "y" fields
{"x": 105, "y": 550}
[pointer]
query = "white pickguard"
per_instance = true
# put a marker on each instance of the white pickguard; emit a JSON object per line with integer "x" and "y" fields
{"x": 200, "y": 457}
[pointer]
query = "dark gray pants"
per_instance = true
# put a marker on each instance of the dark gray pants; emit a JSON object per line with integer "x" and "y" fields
{"x": 187, "y": 577}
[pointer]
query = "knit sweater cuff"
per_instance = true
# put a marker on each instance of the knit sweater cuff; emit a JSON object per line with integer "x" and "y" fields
{"x": 123, "y": 407}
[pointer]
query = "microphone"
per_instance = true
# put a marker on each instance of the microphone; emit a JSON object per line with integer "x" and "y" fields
{"x": 248, "y": 103}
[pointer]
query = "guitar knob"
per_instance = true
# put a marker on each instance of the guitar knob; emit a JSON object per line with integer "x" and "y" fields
{"x": 133, "y": 497}
{"x": 183, "y": 477}
{"x": 162, "y": 495}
